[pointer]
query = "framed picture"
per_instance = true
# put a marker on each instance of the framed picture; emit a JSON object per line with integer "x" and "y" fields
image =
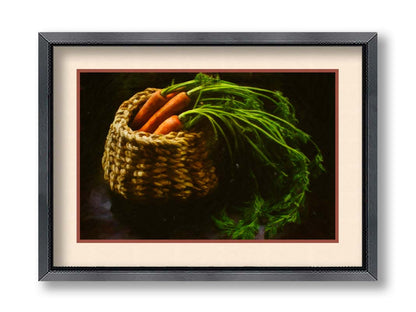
{"x": 207, "y": 156}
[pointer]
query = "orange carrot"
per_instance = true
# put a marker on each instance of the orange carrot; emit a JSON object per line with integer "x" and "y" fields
{"x": 171, "y": 95}
{"x": 152, "y": 104}
{"x": 171, "y": 124}
{"x": 173, "y": 107}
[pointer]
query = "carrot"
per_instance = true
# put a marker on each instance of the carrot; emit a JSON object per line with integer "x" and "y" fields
{"x": 152, "y": 104}
{"x": 171, "y": 95}
{"x": 171, "y": 124}
{"x": 173, "y": 107}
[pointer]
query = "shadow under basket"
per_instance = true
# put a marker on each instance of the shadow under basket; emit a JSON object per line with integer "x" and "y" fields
{"x": 143, "y": 166}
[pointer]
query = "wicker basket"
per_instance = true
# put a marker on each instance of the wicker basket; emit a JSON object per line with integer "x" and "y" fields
{"x": 143, "y": 166}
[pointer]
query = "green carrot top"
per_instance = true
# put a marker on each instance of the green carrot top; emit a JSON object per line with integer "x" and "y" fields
{"x": 263, "y": 146}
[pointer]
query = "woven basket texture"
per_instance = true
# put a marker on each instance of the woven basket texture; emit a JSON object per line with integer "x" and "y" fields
{"x": 143, "y": 166}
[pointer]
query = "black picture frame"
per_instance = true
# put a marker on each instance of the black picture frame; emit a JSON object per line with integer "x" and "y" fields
{"x": 367, "y": 272}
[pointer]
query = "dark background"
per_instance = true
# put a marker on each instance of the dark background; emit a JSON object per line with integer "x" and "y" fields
{"x": 104, "y": 215}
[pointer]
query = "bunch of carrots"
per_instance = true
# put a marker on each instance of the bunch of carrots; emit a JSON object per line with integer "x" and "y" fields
{"x": 279, "y": 171}
{"x": 159, "y": 115}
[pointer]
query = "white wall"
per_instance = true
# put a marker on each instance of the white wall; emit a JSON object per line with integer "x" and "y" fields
{"x": 20, "y": 23}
